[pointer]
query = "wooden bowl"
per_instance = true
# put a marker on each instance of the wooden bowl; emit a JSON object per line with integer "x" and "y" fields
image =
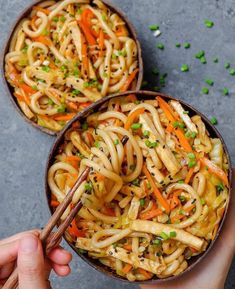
{"x": 140, "y": 95}
{"x": 26, "y": 12}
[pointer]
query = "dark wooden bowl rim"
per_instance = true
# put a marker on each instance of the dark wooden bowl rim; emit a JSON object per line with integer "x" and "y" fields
{"x": 141, "y": 95}
{"x": 25, "y": 13}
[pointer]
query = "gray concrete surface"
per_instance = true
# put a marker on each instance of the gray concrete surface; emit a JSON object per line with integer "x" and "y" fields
{"x": 23, "y": 149}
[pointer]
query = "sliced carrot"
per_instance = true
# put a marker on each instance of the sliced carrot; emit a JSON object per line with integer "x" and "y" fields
{"x": 65, "y": 117}
{"x": 177, "y": 218}
{"x": 27, "y": 89}
{"x": 132, "y": 117}
{"x": 146, "y": 274}
{"x": 74, "y": 231}
{"x": 189, "y": 209}
{"x": 189, "y": 175}
{"x": 150, "y": 214}
{"x": 127, "y": 268}
{"x": 88, "y": 35}
{"x": 42, "y": 57}
{"x": 121, "y": 31}
{"x": 72, "y": 158}
{"x": 170, "y": 128}
{"x": 44, "y": 40}
{"x": 183, "y": 140}
{"x": 101, "y": 43}
{"x": 175, "y": 201}
{"x": 100, "y": 177}
{"x": 54, "y": 203}
{"x": 156, "y": 191}
{"x": 170, "y": 114}
{"x": 85, "y": 104}
{"x": 33, "y": 20}
{"x": 127, "y": 247}
{"x": 129, "y": 80}
{"x": 90, "y": 138}
{"x": 41, "y": 9}
{"x": 215, "y": 170}
{"x": 52, "y": 65}
{"x": 72, "y": 105}
{"x": 108, "y": 211}
{"x": 24, "y": 98}
{"x": 131, "y": 98}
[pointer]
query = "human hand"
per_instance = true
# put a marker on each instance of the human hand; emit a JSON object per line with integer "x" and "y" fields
{"x": 26, "y": 249}
{"x": 213, "y": 270}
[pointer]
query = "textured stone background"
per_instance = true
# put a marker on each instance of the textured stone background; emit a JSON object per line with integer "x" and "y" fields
{"x": 23, "y": 149}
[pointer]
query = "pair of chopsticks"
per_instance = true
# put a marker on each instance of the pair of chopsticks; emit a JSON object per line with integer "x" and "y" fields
{"x": 50, "y": 242}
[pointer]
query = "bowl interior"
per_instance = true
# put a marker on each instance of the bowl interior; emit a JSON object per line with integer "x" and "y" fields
{"x": 26, "y": 11}
{"x": 97, "y": 106}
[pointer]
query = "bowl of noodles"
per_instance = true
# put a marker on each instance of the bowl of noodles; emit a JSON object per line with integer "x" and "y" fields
{"x": 62, "y": 56}
{"x": 158, "y": 189}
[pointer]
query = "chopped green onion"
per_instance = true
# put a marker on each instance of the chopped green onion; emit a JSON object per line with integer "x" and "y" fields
{"x": 200, "y": 54}
{"x": 220, "y": 187}
{"x": 209, "y": 82}
{"x": 203, "y": 60}
{"x": 172, "y": 234}
{"x": 202, "y": 201}
{"x": 205, "y": 90}
{"x": 232, "y": 72}
{"x": 50, "y": 101}
{"x": 184, "y": 68}
{"x": 193, "y": 134}
{"x": 63, "y": 68}
{"x": 148, "y": 186}
{"x": 45, "y": 32}
{"x": 34, "y": 87}
{"x": 186, "y": 112}
{"x": 181, "y": 182}
{"x": 116, "y": 141}
{"x": 61, "y": 109}
{"x": 182, "y": 198}
{"x": 75, "y": 92}
{"x": 86, "y": 84}
{"x": 153, "y": 27}
{"x": 181, "y": 212}
{"x": 136, "y": 182}
{"x": 191, "y": 156}
{"x": 150, "y": 144}
{"x": 156, "y": 242}
{"x": 142, "y": 202}
{"x": 227, "y": 65}
{"x": 164, "y": 236}
{"x": 62, "y": 18}
{"x": 97, "y": 144}
{"x": 160, "y": 46}
{"x": 85, "y": 126}
{"x": 137, "y": 102}
{"x": 55, "y": 19}
{"x": 88, "y": 187}
{"x": 225, "y": 91}
{"x": 81, "y": 251}
{"x": 146, "y": 133}
{"x": 187, "y": 45}
{"x": 192, "y": 163}
{"x": 114, "y": 56}
{"x": 216, "y": 60}
{"x": 136, "y": 125}
{"x": 105, "y": 74}
{"x": 214, "y": 120}
{"x": 46, "y": 68}
{"x": 155, "y": 71}
{"x": 177, "y": 45}
{"x": 209, "y": 23}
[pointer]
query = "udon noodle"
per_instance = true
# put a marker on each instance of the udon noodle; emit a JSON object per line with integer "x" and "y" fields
{"x": 66, "y": 55}
{"x": 151, "y": 202}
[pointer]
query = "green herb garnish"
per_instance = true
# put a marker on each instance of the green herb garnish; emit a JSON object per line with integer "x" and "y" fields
{"x": 205, "y": 90}
{"x": 214, "y": 120}
{"x": 184, "y": 68}
{"x": 209, "y": 23}
{"x": 160, "y": 46}
{"x": 153, "y": 27}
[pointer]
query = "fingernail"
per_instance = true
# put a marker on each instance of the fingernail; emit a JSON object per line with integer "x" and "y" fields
{"x": 29, "y": 244}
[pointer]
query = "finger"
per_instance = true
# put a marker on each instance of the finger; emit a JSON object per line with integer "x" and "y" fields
{"x": 61, "y": 270}
{"x": 8, "y": 253}
{"x": 31, "y": 263}
{"x": 18, "y": 236}
{"x": 60, "y": 256}
{"x": 6, "y": 270}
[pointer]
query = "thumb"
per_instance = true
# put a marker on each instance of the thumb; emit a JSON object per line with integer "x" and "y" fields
{"x": 31, "y": 263}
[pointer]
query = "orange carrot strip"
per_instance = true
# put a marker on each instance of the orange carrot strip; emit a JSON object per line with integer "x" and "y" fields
{"x": 41, "y": 9}
{"x": 101, "y": 43}
{"x": 170, "y": 114}
{"x": 89, "y": 37}
{"x": 72, "y": 158}
{"x": 215, "y": 170}
{"x": 44, "y": 40}
{"x": 146, "y": 274}
{"x": 65, "y": 117}
{"x": 74, "y": 231}
{"x": 127, "y": 268}
{"x": 183, "y": 140}
{"x": 189, "y": 209}
{"x": 54, "y": 203}
{"x": 27, "y": 89}
{"x": 100, "y": 177}
{"x": 85, "y": 104}
{"x": 108, "y": 211}
{"x": 129, "y": 80}
{"x": 121, "y": 31}
{"x": 189, "y": 175}
{"x": 150, "y": 214}
{"x": 156, "y": 191}
{"x": 127, "y": 247}
{"x": 132, "y": 117}
{"x": 72, "y": 105}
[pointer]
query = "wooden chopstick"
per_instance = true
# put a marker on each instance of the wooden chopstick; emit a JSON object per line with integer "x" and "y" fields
{"x": 12, "y": 282}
